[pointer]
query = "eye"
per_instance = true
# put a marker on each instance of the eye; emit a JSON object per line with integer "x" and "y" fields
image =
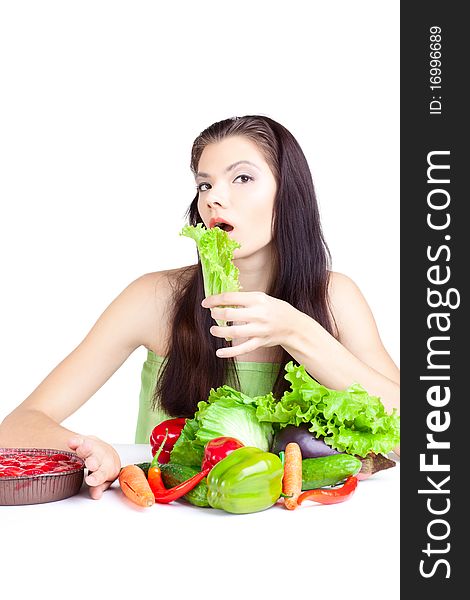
{"x": 246, "y": 177}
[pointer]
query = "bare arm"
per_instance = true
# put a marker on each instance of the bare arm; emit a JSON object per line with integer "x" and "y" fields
{"x": 357, "y": 356}
{"x": 127, "y": 323}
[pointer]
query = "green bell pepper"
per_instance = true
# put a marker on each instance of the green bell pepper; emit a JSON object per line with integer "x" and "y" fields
{"x": 247, "y": 480}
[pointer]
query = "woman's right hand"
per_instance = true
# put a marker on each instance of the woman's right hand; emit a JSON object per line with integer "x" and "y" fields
{"x": 100, "y": 458}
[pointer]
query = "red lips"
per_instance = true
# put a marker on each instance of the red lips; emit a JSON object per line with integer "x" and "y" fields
{"x": 215, "y": 220}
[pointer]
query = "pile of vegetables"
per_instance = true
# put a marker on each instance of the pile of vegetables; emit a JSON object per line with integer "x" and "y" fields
{"x": 243, "y": 454}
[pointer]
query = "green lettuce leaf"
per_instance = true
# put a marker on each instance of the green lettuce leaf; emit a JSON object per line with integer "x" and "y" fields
{"x": 228, "y": 412}
{"x": 215, "y": 249}
{"x": 187, "y": 449}
{"x": 349, "y": 420}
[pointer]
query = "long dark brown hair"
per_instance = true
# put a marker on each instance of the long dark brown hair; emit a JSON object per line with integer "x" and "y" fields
{"x": 301, "y": 270}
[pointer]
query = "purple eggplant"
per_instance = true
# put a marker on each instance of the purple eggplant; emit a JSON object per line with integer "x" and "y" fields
{"x": 310, "y": 446}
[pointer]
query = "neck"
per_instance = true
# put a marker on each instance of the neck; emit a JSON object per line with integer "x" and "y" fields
{"x": 255, "y": 271}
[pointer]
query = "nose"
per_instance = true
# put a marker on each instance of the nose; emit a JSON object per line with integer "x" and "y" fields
{"x": 216, "y": 196}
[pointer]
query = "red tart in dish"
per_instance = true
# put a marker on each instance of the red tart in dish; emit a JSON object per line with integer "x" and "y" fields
{"x": 36, "y": 475}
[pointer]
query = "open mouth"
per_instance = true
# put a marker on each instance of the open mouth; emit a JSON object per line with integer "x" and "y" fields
{"x": 225, "y": 226}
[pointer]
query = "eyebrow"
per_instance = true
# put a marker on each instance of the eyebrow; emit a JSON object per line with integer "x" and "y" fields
{"x": 230, "y": 167}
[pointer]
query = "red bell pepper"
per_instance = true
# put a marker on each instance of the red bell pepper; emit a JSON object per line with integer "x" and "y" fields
{"x": 174, "y": 428}
{"x": 217, "y": 449}
{"x": 330, "y": 495}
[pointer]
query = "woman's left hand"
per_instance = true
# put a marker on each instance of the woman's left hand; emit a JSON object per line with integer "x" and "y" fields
{"x": 261, "y": 320}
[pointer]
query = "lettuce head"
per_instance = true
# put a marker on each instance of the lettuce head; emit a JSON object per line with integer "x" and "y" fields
{"x": 227, "y": 412}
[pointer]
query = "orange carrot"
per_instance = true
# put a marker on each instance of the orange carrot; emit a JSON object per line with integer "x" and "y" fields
{"x": 292, "y": 480}
{"x": 135, "y": 486}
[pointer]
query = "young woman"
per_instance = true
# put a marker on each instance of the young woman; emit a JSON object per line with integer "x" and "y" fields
{"x": 252, "y": 175}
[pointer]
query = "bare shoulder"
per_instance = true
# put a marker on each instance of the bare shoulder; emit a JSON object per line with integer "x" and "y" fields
{"x": 356, "y": 326}
{"x": 153, "y": 295}
{"x": 342, "y": 289}
{"x": 158, "y": 285}
{"x": 347, "y": 303}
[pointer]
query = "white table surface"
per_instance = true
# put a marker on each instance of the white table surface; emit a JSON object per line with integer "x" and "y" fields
{"x": 79, "y": 547}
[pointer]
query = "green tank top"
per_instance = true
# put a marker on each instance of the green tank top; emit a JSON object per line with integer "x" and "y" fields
{"x": 256, "y": 379}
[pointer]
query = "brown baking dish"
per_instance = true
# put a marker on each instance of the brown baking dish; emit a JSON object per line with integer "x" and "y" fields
{"x": 37, "y": 475}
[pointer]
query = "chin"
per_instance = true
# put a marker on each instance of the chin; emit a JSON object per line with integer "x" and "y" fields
{"x": 240, "y": 253}
{"x": 245, "y": 252}
{"x": 264, "y": 251}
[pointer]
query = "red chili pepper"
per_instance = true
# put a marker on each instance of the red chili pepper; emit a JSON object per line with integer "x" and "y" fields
{"x": 332, "y": 495}
{"x": 217, "y": 449}
{"x": 154, "y": 477}
{"x": 174, "y": 428}
{"x": 163, "y": 495}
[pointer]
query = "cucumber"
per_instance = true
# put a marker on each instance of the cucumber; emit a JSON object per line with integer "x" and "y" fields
{"x": 144, "y": 466}
{"x": 173, "y": 474}
{"x": 328, "y": 470}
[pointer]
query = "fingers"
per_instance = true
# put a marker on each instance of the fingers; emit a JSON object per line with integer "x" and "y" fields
{"x": 101, "y": 460}
{"x": 97, "y": 491}
{"x": 82, "y": 446}
{"x": 74, "y": 442}
{"x": 232, "y": 298}
{"x": 244, "y": 348}
{"x": 88, "y": 450}
{"x": 233, "y": 332}
{"x": 98, "y": 476}
{"x": 231, "y": 314}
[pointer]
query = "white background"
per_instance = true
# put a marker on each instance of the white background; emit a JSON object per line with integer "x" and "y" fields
{"x": 99, "y": 105}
